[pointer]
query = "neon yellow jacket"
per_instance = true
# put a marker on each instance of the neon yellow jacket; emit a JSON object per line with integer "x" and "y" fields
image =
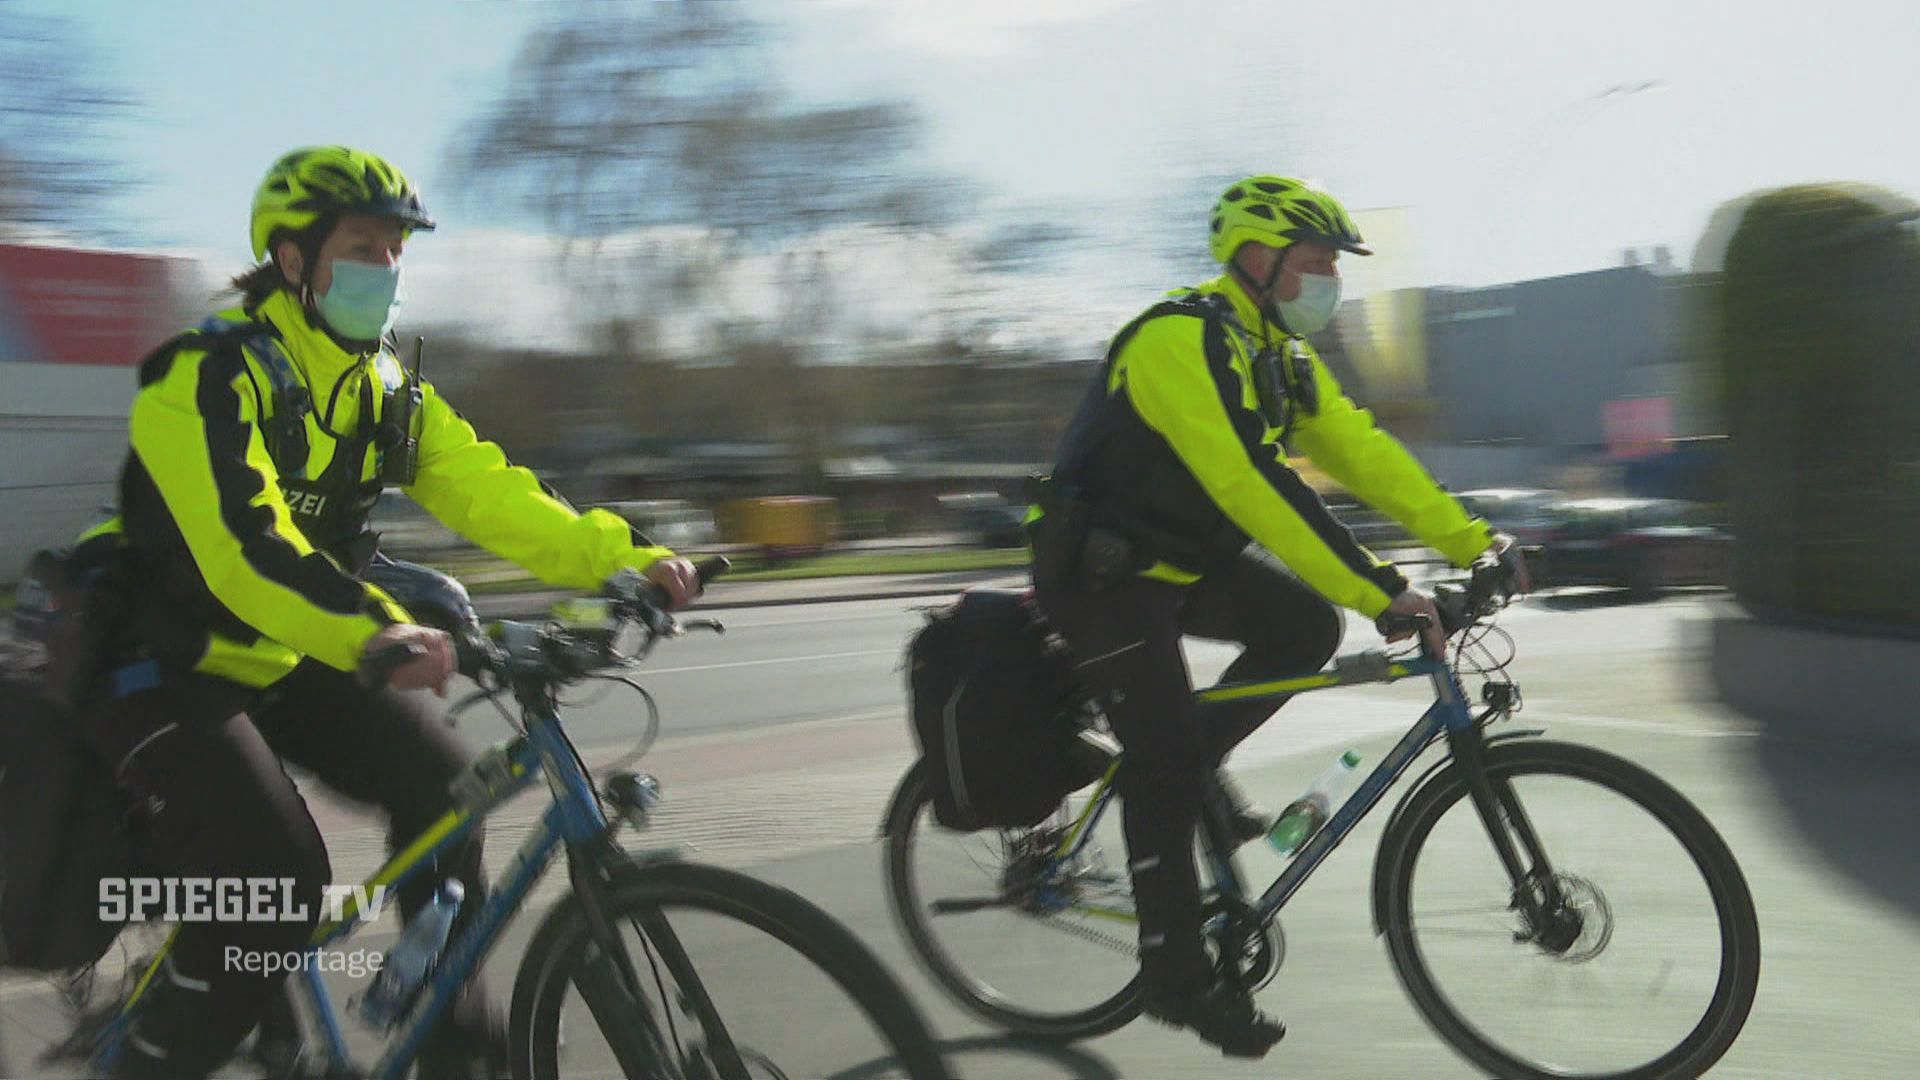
{"x": 229, "y": 568}
{"x": 1190, "y": 446}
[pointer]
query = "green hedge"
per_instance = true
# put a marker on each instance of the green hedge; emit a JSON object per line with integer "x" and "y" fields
{"x": 1818, "y": 354}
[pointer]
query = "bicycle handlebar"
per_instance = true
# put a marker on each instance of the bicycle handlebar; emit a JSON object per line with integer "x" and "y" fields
{"x": 557, "y": 653}
{"x": 510, "y": 649}
{"x": 1461, "y": 605}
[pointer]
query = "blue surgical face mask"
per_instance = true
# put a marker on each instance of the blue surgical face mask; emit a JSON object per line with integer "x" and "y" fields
{"x": 361, "y": 303}
{"x": 1312, "y": 310}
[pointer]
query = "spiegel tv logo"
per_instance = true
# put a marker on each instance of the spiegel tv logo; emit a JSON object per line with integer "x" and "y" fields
{"x": 245, "y": 900}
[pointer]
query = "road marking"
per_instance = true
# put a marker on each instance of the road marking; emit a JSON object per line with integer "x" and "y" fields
{"x": 774, "y": 660}
{"x": 733, "y": 624}
{"x": 1549, "y": 715}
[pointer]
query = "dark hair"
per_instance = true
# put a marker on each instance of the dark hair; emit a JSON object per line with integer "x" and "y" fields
{"x": 265, "y": 279}
{"x": 257, "y": 284}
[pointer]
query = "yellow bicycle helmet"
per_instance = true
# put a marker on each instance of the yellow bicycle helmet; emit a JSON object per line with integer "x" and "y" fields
{"x": 1278, "y": 211}
{"x": 316, "y": 182}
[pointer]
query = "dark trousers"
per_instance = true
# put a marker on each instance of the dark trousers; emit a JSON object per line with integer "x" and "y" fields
{"x": 204, "y": 756}
{"x": 1126, "y": 643}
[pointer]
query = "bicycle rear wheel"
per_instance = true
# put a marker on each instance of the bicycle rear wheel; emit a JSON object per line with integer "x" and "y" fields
{"x": 738, "y": 979}
{"x": 1031, "y": 943}
{"x": 1644, "y": 960}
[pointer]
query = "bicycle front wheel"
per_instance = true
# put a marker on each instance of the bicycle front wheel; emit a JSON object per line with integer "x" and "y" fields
{"x": 1027, "y": 939}
{"x": 1643, "y": 960}
{"x": 737, "y": 979}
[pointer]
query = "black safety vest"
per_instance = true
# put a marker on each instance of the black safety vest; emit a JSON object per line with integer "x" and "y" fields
{"x": 330, "y": 509}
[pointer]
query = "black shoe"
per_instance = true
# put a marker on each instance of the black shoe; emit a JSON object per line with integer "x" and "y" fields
{"x": 1221, "y": 1015}
{"x": 1246, "y": 821}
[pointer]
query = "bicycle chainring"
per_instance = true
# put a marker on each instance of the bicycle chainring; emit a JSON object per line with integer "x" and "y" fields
{"x": 1246, "y": 954}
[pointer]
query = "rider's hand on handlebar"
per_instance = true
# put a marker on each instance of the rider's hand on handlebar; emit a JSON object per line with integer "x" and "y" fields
{"x": 428, "y": 670}
{"x": 1508, "y": 551}
{"x": 1415, "y": 602}
{"x": 677, "y": 578}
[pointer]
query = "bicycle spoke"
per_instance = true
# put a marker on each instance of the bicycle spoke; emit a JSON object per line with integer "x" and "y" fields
{"x": 1003, "y": 929}
{"x": 1568, "y": 978}
{"x": 1497, "y": 912}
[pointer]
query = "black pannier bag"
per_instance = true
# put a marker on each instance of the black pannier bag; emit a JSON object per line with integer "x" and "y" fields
{"x": 1002, "y": 722}
{"x": 62, "y": 817}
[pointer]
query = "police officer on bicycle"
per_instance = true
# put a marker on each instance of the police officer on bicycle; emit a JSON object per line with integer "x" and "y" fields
{"x": 1172, "y": 464}
{"x": 259, "y": 441}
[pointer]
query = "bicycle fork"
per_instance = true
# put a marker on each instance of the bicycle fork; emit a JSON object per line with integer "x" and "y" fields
{"x": 610, "y": 983}
{"x": 1536, "y": 893}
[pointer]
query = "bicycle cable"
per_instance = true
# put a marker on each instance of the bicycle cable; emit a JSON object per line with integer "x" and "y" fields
{"x": 666, "y": 1008}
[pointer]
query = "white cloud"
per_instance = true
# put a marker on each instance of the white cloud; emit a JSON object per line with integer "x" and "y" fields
{"x": 978, "y": 28}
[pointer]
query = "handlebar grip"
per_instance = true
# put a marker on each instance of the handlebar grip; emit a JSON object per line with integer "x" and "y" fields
{"x": 655, "y": 597}
{"x": 1394, "y": 622}
{"x": 382, "y": 662}
{"x": 712, "y": 567}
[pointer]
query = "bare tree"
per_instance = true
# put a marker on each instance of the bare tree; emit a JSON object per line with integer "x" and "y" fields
{"x": 668, "y": 113}
{"x": 52, "y": 119}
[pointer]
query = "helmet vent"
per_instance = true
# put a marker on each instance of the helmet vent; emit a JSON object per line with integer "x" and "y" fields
{"x": 1235, "y": 194}
{"x": 1261, "y": 210}
{"x": 1270, "y": 187}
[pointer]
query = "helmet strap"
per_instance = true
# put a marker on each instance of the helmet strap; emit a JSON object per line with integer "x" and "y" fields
{"x": 1262, "y": 293}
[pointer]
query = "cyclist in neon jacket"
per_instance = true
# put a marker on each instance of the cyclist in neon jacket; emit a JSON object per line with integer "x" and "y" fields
{"x": 1174, "y": 461}
{"x": 258, "y": 444}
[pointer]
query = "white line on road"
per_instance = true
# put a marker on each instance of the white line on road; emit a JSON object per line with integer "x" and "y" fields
{"x": 775, "y": 660}
{"x": 735, "y": 624}
{"x": 1551, "y": 716}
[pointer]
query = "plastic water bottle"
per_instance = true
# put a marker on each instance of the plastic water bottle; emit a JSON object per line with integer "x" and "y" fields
{"x": 1303, "y": 818}
{"x": 407, "y": 963}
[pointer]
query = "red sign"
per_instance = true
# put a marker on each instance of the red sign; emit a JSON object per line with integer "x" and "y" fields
{"x": 64, "y": 306}
{"x": 1637, "y": 427}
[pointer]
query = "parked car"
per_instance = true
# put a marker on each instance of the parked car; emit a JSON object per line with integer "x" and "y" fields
{"x": 986, "y": 519}
{"x": 406, "y": 528}
{"x": 1641, "y": 545}
{"x": 673, "y": 523}
{"x": 1526, "y": 514}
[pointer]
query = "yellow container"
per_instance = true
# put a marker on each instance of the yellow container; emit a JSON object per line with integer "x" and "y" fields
{"x": 781, "y": 526}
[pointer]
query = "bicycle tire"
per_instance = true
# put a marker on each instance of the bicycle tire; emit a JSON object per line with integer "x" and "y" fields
{"x": 1739, "y": 973}
{"x": 540, "y": 987}
{"x": 910, "y": 797}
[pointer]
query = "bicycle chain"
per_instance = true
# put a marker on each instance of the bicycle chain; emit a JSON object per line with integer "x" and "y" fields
{"x": 1098, "y": 937}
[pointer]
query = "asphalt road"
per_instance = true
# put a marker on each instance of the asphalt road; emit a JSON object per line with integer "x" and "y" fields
{"x": 781, "y": 742}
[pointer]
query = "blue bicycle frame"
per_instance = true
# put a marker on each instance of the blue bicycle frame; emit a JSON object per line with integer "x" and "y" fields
{"x": 575, "y": 818}
{"x": 1449, "y": 714}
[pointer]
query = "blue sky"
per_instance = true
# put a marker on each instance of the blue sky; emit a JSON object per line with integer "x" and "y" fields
{"x": 1519, "y": 139}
